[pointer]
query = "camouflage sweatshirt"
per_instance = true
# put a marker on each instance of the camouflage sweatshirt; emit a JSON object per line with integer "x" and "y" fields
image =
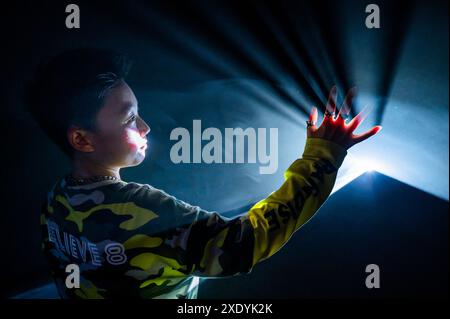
{"x": 132, "y": 240}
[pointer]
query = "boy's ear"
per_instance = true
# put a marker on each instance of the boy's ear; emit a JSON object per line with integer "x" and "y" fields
{"x": 80, "y": 139}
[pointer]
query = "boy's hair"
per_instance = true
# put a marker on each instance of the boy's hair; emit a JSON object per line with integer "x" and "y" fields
{"x": 70, "y": 88}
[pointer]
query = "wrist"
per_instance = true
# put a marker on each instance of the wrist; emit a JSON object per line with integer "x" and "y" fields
{"x": 322, "y": 148}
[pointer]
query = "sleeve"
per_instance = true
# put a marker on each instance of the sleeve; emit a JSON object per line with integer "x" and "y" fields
{"x": 308, "y": 183}
{"x": 206, "y": 244}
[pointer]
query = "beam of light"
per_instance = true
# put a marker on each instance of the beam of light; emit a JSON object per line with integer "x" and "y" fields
{"x": 393, "y": 49}
{"x": 273, "y": 50}
{"x": 233, "y": 48}
{"x": 306, "y": 77}
{"x": 241, "y": 54}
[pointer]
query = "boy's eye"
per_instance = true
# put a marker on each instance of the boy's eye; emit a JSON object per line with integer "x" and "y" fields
{"x": 131, "y": 119}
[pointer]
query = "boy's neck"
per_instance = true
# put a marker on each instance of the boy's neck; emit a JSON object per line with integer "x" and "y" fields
{"x": 86, "y": 169}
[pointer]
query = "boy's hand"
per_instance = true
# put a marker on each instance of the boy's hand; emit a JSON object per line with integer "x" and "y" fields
{"x": 336, "y": 129}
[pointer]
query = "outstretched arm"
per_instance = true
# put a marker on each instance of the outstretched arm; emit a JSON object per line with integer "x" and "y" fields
{"x": 210, "y": 245}
{"x": 308, "y": 181}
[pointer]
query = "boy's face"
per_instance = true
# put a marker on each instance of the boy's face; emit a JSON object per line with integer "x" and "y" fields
{"x": 120, "y": 139}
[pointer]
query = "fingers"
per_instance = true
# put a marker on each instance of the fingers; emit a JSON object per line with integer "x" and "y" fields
{"x": 358, "y": 119}
{"x": 312, "y": 121}
{"x": 331, "y": 104}
{"x": 344, "y": 111}
{"x": 313, "y": 115}
{"x": 359, "y": 138}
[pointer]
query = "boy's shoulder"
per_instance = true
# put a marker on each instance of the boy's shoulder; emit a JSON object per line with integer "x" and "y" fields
{"x": 113, "y": 192}
{"x": 138, "y": 189}
{"x": 110, "y": 191}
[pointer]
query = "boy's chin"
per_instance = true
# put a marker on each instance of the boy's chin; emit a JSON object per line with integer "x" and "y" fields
{"x": 133, "y": 159}
{"x": 138, "y": 159}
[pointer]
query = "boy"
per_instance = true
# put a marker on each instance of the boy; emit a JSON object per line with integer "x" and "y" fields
{"x": 133, "y": 240}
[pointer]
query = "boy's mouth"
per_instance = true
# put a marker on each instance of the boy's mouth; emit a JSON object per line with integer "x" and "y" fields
{"x": 144, "y": 146}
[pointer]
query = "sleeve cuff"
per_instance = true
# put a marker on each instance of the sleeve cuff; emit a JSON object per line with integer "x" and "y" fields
{"x": 322, "y": 148}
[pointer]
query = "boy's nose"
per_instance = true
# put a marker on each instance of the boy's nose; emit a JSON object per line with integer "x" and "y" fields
{"x": 145, "y": 132}
{"x": 144, "y": 129}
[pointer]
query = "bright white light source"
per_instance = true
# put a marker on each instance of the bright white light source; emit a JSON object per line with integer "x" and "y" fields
{"x": 369, "y": 165}
{"x": 353, "y": 167}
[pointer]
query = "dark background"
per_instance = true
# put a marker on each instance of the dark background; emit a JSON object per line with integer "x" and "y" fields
{"x": 256, "y": 64}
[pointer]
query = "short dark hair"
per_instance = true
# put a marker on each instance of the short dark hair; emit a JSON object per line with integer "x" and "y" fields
{"x": 70, "y": 88}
